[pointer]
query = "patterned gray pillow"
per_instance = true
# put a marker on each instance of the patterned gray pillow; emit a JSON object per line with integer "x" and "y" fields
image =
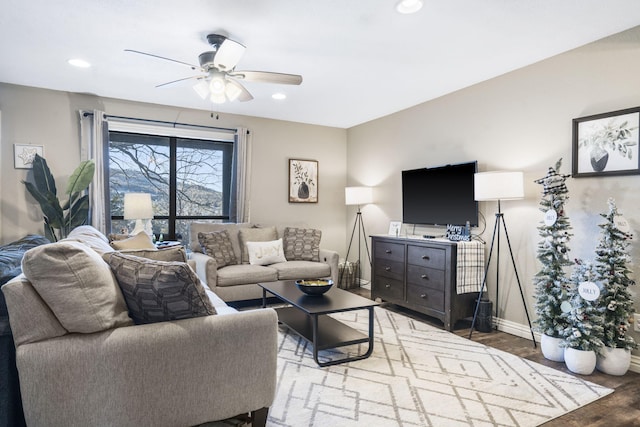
{"x": 174, "y": 253}
{"x": 301, "y": 244}
{"x": 158, "y": 291}
{"x": 218, "y": 246}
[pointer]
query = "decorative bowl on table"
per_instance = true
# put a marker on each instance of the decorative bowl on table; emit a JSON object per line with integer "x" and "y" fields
{"x": 314, "y": 287}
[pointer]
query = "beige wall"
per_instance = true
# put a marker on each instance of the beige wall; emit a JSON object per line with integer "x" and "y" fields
{"x": 518, "y": 121}
{"x": 50, "y": 118}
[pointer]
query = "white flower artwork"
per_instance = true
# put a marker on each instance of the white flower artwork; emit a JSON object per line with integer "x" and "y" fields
{"x": 24, "y": 155}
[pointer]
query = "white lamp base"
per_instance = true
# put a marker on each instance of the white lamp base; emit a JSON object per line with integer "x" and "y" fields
{"x": 142, "y": 225}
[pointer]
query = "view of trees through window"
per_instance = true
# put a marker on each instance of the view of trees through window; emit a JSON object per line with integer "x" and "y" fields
{"x": 188, "y": 180}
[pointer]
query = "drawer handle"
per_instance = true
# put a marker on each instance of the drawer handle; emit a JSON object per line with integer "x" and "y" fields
{"x": 425, "y": 257}
{"x": 387, "y": 269}
{"x": 388, "y": 251}
{"x": 387, "y": 286}
{"x": 423, "y": 296}
{"x": 425, "y": 277}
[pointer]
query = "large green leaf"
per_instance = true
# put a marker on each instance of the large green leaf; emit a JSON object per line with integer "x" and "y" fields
{"x": 81, "y": 177}
{"x": 42, "y": 176}
{"x": 48, "y": 203}
{"x": 79, "y": 213}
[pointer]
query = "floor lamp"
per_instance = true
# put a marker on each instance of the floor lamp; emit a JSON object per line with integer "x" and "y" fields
{"x": 498, "y": 186}
{"x": 358, "y": 196}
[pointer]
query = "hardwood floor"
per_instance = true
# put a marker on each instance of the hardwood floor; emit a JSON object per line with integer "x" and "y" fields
{"x": 619, "y": 409}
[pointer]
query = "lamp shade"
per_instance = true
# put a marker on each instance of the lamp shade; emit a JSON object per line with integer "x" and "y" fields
{"x": 499, "y": 185}
{"x": 358, "y": 195}
{"x": 138, "y": 206}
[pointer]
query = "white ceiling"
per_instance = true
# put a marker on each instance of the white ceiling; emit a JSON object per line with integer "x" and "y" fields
{"x": 359, "y": 58}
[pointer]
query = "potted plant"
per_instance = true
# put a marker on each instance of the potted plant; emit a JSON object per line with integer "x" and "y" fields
{"x": 583, "y": 336}
{"x": 60, "y": 219}
{"x": 551, "y": 283}
{"x": 617, "y": 301}
{"x": 611, "y": 138}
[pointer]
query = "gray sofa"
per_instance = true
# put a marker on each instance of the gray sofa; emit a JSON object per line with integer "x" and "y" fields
{"x": 238, "y": 281}
{"x": 170, "y": 373}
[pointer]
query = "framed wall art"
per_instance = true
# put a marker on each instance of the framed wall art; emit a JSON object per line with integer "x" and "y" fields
{"x": 606, "y": 144}
{"x": 24, "y": 154}
{"x": 303, "y": 181}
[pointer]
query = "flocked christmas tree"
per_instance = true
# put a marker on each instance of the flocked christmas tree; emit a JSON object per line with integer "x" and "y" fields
{"x": 611, "y": 269}
{"x": 583, "y": 311}
{"x": 551, "y": 282}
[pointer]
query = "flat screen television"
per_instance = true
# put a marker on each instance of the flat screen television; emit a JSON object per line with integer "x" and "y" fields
{"x": 440, "y": 195}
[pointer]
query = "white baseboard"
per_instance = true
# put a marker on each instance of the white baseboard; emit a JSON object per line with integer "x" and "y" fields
{"x": 523, "y": 331}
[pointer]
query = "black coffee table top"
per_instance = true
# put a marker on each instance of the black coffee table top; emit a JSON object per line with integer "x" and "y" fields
{"x": 333, "y": 301}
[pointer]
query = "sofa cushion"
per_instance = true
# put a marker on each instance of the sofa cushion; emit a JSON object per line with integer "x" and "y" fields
{"x": 243, "y": 274}
{"x": 217, "y": 245}
{"x": 157, "y": 291}
{"x": 77, "y": 285}
{"x": 174, "y": 253}
{"x": 140, "y": 241}
{"x": 301, "y": 244}
{"x": 206, "y": 227}
{"x": 265, "y": 253}
{"x": 89, "y": 236}
{"x": 294, "y": 270}
{"x": 254, "y": 234}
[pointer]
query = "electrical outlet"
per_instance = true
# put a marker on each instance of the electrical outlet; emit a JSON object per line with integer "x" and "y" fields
{"x": 636, "y": 322}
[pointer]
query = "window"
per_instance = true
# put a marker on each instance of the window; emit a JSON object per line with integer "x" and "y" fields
{"x": 189, "y": 179}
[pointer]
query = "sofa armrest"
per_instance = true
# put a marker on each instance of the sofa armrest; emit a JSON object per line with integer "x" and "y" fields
{"x": 206, "y": 269}
{"x": 331, "y": 257}
{"x": 184, "y": 372}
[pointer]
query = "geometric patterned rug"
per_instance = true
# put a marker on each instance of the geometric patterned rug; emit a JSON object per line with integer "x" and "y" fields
{"x": 419, "y": 375}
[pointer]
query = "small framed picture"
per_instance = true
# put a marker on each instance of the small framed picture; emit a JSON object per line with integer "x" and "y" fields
{"x": 606, "y": 144}
{"x": 303, "y": 181}
{"x": 24, "y": 154}
{"x": 395, "y": 227}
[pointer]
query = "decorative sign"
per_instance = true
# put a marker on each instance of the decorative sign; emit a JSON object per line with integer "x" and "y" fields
{"x": 565, "y": 306}
{"x": 550, "y": 217}
{"x": 589, "y": 291}
{"x": 622, "y": 224}
{"x": 458, "y": 233}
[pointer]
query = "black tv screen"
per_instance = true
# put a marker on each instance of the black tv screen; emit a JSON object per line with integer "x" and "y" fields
{"x": 440, "y": 195}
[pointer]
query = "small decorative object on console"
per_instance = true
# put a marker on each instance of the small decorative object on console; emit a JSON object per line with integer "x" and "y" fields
{"x": 314, "y": 287}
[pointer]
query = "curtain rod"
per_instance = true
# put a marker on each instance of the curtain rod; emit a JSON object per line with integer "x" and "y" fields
{"x": 89, "y": 113}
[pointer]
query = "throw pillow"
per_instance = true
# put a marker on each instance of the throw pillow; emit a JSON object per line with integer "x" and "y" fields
{"x": 140, "y": 241}
{"x": 218, "y": 246}
{"x": 174, "y": 253}
{"x": 255, "y": 234}
{"x": 301, "y": 244}
{"x": 265, "y": 253}
{"x": 158, "y": 291}
{"x": 77, "y": 285}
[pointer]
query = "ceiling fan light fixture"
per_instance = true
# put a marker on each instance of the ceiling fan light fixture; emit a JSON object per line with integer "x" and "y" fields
{"x": 409, "y": 6}
{"x": 217, "y": 84}
{"x": 218, "y": 99}
{"x": 202, "y": 89}
{"x": 233, "y": 90}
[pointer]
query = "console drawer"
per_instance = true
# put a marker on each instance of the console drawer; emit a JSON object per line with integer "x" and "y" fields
{"x": 426, "y": 257}
{"x": 389, "y": 269}
{"x": 386, "y": 288}
{"x": 425, "y": 297}
{"x": 423, "y": 276}
{"x": 389, "y": 251}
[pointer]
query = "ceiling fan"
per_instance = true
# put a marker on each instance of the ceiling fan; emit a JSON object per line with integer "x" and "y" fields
{"x": 220, "y": 81}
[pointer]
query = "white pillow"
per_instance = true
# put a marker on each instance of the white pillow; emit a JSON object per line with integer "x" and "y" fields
{"x": 265, "y": 253}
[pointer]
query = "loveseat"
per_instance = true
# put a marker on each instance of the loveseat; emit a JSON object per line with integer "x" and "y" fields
{"x": 222, "y": 255}
{"x": 83, "y": 361}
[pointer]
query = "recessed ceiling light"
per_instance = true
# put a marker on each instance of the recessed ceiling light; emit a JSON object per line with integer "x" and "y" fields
{"x": 409, "y": 6}
{"x": 81, "y": 63}
{"x": 279, "y": 96}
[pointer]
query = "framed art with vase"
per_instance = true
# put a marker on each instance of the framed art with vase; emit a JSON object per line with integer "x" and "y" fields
{"x": 606, "y": 144}
{"x": 303, "y": 181}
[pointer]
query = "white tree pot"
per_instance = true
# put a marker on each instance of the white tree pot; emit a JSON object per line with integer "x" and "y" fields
{"x": 551, "y": 348}
{"x": 614, "y": 361}
{"x": 581, "y": 362}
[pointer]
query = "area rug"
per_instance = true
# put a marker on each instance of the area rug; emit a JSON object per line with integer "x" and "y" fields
{"x": 419, "y": 375}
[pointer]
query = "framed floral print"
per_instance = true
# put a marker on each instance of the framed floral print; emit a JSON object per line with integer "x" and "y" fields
{"x": 303, "y": 181}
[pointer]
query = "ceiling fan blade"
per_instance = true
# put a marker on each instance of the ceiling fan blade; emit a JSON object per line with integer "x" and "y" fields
{"x": 193, "y": 67}
{"x": 268, "y": 77}
{"x": 244, "y": 94}
{"x": 228, "y": 55}
{"x": 180, "y": 80}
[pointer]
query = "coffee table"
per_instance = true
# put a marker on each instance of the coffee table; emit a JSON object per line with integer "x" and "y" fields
{"x": 307, "y": 316}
